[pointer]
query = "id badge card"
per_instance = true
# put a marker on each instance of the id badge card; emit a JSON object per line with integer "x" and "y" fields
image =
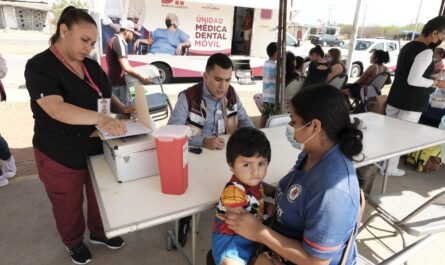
{"x": 221, "y": 127}
{"x": 104, "y": 106}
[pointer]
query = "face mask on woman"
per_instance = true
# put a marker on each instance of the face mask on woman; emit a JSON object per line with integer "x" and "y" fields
{"x": 433, "y": 45}
{"x": 168, "y": 23}
{"x": 290, "y": 132}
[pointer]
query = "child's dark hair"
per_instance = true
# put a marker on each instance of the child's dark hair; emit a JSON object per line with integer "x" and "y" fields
{"x": 317, "y": 50}
{"x": 219, "y": 59}
{"x": 248, "y": 142}
{"x": 299, "y": 62}
{"x": 381, "y": 56}
{"x": 327, "y": 104}
{"x": 271, "y": 49}
{"x": 71, "y": 15}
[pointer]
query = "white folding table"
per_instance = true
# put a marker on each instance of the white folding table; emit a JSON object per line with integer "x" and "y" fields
{"x": 131, "y": 206}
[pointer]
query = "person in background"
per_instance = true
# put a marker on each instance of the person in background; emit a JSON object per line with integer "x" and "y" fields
{"x": 291, "y": 71}
{"x": 269, "y": 83}
{"x": 299, "y": 65}
{"x": 169, "y": 40}
{"x": 247, "y": 29}
{"x": 319, "y": 69}
{"x": 118, "y": 64}
{"x": 113, "y": 12}
{"x": 318, "y": 201}
{"x": 248, "y": 155}
{"x": 8, "y": 168}
{"x": 378, "y": 59}
{"x": 210, "y": 108}
{"x": 68, "y": 92}
{"x": 439, "y": 54}
{"x": 410, "y": 92}
{"x": 337, "y": 67}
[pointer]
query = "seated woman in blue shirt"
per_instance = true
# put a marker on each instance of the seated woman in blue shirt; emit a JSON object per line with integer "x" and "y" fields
{"x": 318, "y": 201}
{"x": 169, "y": 40}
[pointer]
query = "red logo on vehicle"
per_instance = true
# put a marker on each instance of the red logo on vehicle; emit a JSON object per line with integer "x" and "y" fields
{"x": 176, "y": 2}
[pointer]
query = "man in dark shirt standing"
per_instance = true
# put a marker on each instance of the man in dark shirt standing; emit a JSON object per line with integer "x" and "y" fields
{"x": 118, "y": 64}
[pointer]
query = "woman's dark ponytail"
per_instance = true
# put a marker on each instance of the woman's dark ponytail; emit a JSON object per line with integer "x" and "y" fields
{"x": 350, "y": 139}
{"x": 71, "y": 15}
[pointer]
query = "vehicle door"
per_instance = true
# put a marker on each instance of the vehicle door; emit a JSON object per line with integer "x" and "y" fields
{"x": 393, "y": 50}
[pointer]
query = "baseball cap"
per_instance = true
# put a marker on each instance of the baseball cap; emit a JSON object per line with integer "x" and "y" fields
{"x": 129, "y": 25}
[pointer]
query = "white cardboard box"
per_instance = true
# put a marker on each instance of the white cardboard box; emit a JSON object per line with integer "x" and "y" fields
{"x": 132, "y": 158}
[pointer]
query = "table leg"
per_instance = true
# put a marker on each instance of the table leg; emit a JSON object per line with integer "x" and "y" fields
{"x": 179, "y": 248}
{"x": 194, "y": 232}
{"x": 385, "y": 177}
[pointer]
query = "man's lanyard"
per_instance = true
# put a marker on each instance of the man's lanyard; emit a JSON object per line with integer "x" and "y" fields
{"x": 89, "y": 80}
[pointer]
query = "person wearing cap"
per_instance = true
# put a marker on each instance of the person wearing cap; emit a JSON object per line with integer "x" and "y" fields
{"x": 169, "y": 40}
{"x": 118, "y": 64}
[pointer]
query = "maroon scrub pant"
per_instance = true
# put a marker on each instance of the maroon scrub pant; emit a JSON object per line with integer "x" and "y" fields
{"x": 64, "y": 187}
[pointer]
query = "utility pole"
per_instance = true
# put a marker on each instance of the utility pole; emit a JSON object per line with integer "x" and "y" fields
{"x": 417, "y": 19}
{"x": 363, "y": 22}
{"x": 330, "y": 11}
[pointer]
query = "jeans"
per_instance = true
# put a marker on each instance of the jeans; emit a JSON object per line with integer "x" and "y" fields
{"x": 123, "y": 94}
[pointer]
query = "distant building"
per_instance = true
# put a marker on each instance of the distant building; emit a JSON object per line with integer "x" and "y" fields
{"x": 23, "y": 15}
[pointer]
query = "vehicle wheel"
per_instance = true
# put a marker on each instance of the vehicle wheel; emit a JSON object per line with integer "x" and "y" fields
{"x": 165, "y": 72}
{"x": 356, "y": 70}
{"x": 324, "y": 44}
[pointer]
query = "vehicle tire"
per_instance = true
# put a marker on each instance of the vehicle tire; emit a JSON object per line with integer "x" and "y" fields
{"x": 324, "y": 43}
{"x": 165, "y": 72}
{"x": 356, "y": 70}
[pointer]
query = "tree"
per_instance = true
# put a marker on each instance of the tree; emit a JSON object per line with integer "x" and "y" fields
{"x": 60, "y": 5}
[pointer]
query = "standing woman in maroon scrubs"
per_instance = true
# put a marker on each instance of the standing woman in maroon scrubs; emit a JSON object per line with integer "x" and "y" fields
{"x": 70, "y": 94}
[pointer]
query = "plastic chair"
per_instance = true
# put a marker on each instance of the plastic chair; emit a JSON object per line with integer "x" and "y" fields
{"x": 403, "y": 255}
{"x": 371, "y": 90}
{"x": 339, "y": 81}
{"x": 293, "y": 88}
{"x": 278, "y": 120}
{"x": 409, "y": 212}
{"x": 158, "y": 103}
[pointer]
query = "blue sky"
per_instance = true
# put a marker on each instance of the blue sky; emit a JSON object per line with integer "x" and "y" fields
{"x": 379, "y": 12}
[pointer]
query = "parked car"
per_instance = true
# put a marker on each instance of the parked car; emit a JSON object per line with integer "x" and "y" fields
{"x": 363, "y": 50}
{"x": 327, "y": 40}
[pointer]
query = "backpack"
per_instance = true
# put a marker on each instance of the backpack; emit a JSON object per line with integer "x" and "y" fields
{"x": 426, "y": 160}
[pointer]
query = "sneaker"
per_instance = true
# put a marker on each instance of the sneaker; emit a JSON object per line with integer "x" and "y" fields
{"x": 397, "y": 173}
{"x": 8, "y": 168}
{"x": 3, "y": 181}
{"x": 80, "y": 254}
{"x": 112, "y": 243}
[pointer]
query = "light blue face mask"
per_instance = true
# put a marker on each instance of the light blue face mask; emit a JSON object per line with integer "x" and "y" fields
{"x": 290, "y": 132}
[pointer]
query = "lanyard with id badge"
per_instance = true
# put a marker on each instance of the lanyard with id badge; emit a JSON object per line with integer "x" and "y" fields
{"x": 103, "y": 104}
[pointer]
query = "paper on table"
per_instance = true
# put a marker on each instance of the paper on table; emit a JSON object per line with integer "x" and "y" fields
{"x": 142, "y": 107}
{"x": 133, "y": 128}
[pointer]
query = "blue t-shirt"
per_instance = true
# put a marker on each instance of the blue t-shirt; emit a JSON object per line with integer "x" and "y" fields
{"x": 166, "y": 41}
{"x": 269, "y": 81}
{"x": 321, "y": 206}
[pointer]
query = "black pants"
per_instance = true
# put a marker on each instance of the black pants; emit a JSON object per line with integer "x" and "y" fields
{"x": 5, "y": 154}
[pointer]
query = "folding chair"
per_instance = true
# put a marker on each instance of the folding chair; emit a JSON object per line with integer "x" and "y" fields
{"x": 293, "y": 88}
{"x": 158, "y": 103}
{"x": 371, "y": 90}
{"x": 403, "y": 255}
{"x": 277, "y": 120}
{"x": 409, "y": 212}
{"x": 339, "y": 81}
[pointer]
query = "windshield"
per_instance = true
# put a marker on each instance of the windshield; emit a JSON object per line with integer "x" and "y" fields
{"x": 363, "y": 45}
{"x": 290, "y": 41}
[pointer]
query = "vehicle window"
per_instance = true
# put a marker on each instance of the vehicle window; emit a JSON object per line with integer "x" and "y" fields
{"x": 379, "y": 46}
{"x": 290, "y": 41}
{"x": 363, "y": 45}
{"x": 392, "y": 46}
